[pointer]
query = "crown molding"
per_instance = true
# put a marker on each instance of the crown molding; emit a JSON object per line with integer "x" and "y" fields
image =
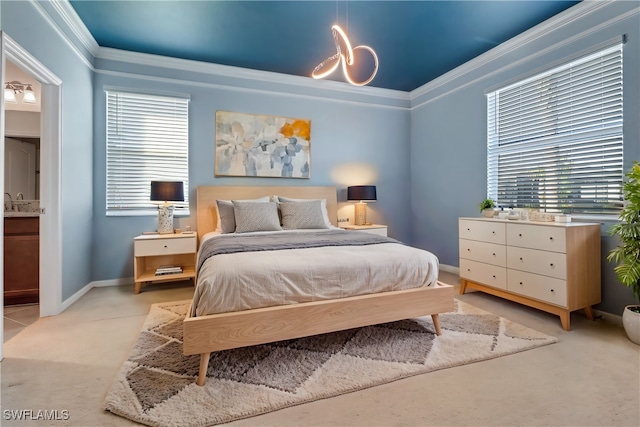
{"x": 246, "y": 74}
{"x": 64, "y": 36}
{"x": 570, "y": 15}
{"x": 73, "y": 21}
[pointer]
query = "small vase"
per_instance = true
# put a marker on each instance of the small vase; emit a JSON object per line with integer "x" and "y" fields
{"x": 631, "y": 323}
{"x": 488, "y": 213}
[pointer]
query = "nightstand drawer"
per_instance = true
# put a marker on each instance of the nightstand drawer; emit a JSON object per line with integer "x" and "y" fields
{"x": 168, "y": 246}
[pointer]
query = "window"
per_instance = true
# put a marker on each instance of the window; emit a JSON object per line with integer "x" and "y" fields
{"x": 554, "y": 141}
{"x": 147, "y": 140}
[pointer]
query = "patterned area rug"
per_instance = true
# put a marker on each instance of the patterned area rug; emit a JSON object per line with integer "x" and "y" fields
{"x": 156, "y": 385}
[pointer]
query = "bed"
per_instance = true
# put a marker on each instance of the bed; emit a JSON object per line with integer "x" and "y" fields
{"x": 211, "y": 327}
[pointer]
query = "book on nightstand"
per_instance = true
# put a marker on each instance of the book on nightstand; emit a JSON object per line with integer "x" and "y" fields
{"x": 160, "y": 271}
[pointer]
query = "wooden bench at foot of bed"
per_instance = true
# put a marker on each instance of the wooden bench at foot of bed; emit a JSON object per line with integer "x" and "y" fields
{"x": 206, "y": 334}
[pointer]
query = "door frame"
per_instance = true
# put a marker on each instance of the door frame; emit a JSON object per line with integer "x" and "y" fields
{"x": 50, "y": 176}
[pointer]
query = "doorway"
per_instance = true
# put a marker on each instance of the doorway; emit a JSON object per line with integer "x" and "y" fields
{"x": 50, "y": 248}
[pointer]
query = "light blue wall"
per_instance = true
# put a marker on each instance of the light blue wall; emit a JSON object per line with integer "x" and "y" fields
{"x": 448, "y": 133}
{"x": 346, "y": 131}
{"x": 22, "y": 21}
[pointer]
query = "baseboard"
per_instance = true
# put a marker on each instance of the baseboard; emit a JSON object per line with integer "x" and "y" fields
{"x": 450, "y": 269}
{"x": 75, "y": 297}
{"x": 98, "y": 284}
{"x": 608, "y": 317}
{"x": 113, "y": 282}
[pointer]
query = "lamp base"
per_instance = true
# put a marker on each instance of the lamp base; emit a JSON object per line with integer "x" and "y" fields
{"x": 165, "y": 219}
{"x": 360, "y": 214}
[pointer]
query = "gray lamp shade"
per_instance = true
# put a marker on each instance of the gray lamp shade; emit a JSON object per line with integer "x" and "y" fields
{"x": 167, "y": 191}
{"x": 362, "y": 192}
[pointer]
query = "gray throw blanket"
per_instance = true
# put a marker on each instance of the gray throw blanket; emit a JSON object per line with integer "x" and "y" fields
{"x": 232, "y": 243}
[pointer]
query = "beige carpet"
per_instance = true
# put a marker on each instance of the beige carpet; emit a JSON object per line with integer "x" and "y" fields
{"x": 156, "y": 385}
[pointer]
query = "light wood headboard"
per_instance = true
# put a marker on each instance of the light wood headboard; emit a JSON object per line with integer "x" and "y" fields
{"x": 207, "y": 195}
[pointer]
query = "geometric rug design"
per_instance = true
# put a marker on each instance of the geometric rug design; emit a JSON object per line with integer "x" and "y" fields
{"x": 156, "y": 384}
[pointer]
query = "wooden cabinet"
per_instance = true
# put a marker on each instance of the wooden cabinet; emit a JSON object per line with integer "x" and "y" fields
{"x": 21, "y": 260}
{"x": 380, "y": 230}
{"x": 554, "y": 267}
{"x": 155, "y": 250}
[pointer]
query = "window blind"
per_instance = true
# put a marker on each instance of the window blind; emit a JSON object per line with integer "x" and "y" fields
{"x": 555, "y": 141}
{"x": 147, "y": 140}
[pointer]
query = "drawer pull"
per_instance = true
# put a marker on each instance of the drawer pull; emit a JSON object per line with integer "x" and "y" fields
{"x": 494, "y": 254}
{"x": 468, "y": 269}
{"x": 519, "y": 234}
{"x": 468, "y": 229}
{"x": 494, "y": 276}
{"x": 520, "y": 258}
{"x": 493, "y": 232}
{"x": 551, "y": 238}
{"x": 551, "y": 265}
{"x": 468, "y": 250}
{"x": 552, "y": 291}
{"x": 521, "y": 283}
{"x": 165, "y": 246}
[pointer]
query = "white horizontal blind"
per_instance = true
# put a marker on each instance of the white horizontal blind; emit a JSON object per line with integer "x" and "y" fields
{"x": 147, "y": 140}
{"x": 555, "y": 139}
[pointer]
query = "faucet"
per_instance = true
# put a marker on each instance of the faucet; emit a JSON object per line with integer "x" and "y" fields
{"x": 10, "y": 201}
{"x": 19, "y": 196}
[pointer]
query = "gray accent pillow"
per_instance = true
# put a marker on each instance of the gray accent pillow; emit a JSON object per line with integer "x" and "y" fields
{"x": 255, "y": 216}
{"x": 302, "y": 215}
{"x": 226, "y": 216}
{"x": 323, "y": 203}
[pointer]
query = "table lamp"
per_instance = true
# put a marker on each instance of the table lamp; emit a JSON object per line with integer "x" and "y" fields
{"x": 166, "y": 192}
{"x": 361, "y": 193}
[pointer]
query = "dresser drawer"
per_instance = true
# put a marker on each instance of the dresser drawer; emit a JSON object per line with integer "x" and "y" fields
{"x": 543, "y": 288}
{"x": 484, "y": 231}
{"x": 168, "y": 246}
{"x": 487, "y": 274}
{"x": 552, "y": 264}
{"x": 537, "y": 237}
{"x": 490, "y": 253}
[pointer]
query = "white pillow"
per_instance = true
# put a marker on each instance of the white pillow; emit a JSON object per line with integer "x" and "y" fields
{"x": 323, "y": 207}
{"x": 256, "y": 216}
{"x": 226, "y": 218}
{"x": 302, "y": 215}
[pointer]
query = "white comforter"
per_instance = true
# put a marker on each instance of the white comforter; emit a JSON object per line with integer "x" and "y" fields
{"x": 242, "y": 281}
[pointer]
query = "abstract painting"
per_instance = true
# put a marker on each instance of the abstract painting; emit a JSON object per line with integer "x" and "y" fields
{"x": 262, "y": 146}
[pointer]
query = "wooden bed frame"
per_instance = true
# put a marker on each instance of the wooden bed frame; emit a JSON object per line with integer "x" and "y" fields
{"x": 206, "y": 334}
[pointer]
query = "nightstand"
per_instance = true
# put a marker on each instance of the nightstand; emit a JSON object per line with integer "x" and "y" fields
{"x": 380, "y": 230}
{"x": 155, "y": 250}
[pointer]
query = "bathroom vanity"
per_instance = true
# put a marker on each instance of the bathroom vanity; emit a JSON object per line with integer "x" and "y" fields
{"x": 21, "y": 258}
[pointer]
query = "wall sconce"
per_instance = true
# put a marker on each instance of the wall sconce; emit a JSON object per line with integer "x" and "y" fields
{"x": 11, "y": 89}
{"x": 166, "y": 192}
{"x": 361, "y": 193}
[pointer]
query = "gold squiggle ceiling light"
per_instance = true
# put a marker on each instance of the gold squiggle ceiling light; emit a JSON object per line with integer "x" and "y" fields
{"x": 330, "y": 64}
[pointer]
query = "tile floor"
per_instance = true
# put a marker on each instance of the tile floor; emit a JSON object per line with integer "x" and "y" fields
{"x": 18, "y": 317}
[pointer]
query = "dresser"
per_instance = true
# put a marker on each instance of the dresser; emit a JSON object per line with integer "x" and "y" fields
{"x": 154, "y": 251}
{"x": 553, "y": 267}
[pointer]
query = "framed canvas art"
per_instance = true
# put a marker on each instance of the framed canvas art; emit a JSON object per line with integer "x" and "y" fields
{"x": 262, "y": 146}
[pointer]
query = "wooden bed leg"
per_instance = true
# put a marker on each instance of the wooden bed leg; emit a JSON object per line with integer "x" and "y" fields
{"x": 589, "y": 312}
{"x": 436, "y": 323}
{"x": 204, "y": 364}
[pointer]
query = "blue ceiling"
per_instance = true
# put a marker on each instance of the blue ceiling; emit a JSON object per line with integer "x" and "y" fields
{"x": 416, "y": 41}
